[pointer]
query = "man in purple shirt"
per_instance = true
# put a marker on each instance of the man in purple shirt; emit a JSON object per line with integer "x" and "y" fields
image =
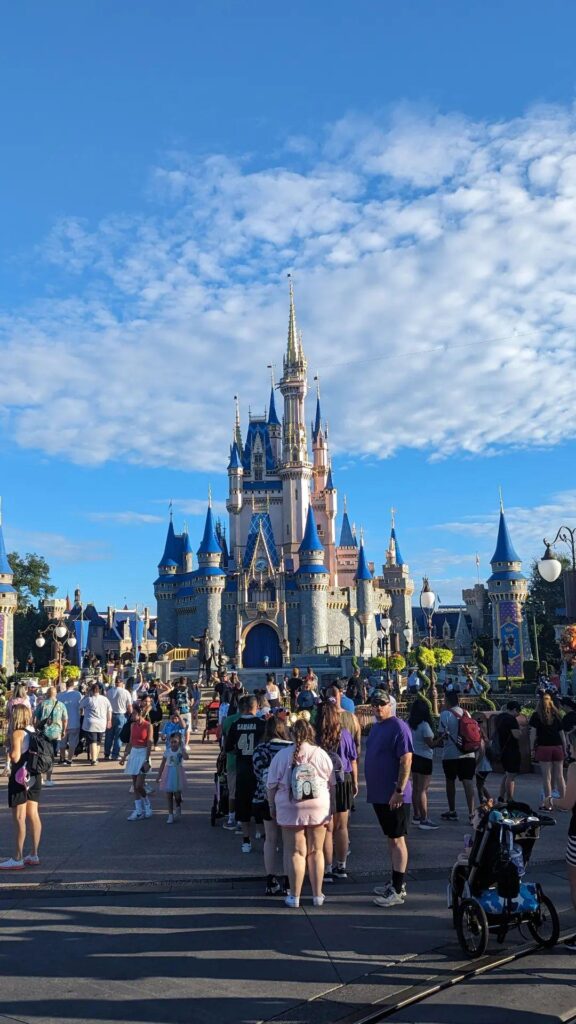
{"x": 388, "y": 788}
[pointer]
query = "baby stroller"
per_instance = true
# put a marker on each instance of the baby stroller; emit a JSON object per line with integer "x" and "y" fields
{"x": 211, "y": 727}
{"x": 486, "y": 890}
{"x": 220, "y": 802}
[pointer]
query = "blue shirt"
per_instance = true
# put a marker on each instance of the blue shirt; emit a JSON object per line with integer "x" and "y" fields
{"x": 387, "y": 742}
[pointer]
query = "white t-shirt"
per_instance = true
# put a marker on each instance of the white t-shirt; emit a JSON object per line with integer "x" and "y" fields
{"x": 120, "y": 699}
{"x": 449, "y": 724}
{"x": 420, "y": 734}
{"x": 71, "y": 700}
{"x": 96, "y": 710}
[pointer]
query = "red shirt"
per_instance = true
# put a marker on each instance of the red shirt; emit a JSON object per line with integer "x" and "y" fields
{"x": 139, "y": 734}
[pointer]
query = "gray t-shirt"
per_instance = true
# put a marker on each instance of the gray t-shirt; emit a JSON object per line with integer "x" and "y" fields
{"x": 420, "y": 734}
{"x": 449, "y": 724}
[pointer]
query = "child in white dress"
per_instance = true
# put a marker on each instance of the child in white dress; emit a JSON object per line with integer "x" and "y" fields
{"x": 172, "y": 776}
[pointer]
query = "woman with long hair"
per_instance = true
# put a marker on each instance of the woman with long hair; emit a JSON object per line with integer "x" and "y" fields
{"x": 23, "y": 792}
{"x": 423, "y": 741}
{"x": 337, "y": 741}
{"x": 300, "y": 790}
{"x": 548, "y": 745}
{"x": 276, "y": 738}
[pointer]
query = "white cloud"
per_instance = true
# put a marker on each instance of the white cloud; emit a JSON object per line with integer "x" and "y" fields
{"x": 125, "y": 518}
{"x": 55, "y": 547}
{"x": 434, "y": 264}
{"x": 527, "y": 525}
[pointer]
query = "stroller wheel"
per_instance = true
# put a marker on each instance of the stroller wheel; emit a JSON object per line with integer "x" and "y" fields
{"x": 472, "y": 928}
{"x": 457, "y": 882}
{"x": 544, "y": 924}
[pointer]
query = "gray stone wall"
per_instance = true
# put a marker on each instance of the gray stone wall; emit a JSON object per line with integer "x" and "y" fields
{"x": 209, "y": 612}
{"x": 293, "y": 621}
{"x": 167, "y": 624}
{"x": 338, "y": 626}
{"x": 229, "y": 629}
{"x": 313, "y": 620}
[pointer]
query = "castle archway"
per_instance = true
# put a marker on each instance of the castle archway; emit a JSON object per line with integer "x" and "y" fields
{"x": 262, "y": 647}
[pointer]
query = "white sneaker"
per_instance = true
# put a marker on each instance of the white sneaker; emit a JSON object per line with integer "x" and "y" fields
{"x": 318, "y": 901}
{"x": 292, "y": 901}
{"x": 49, "y": 782}
{"x": 392, "y": 899}
{"x": 170, "y": 819}
{"x": 386, "y": 889}
{"x": 147, "y": 810}
{"x": 229, "y": 825}
{"x": 135, "y": 816}
{"x": 259, "y": 835}
{"x": 12, "y": 865}
{"x": 246, "y": 847}
{"x": 32, "y": 860}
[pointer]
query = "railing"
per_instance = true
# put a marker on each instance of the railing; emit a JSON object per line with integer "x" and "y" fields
{"x": 182, "y": 653}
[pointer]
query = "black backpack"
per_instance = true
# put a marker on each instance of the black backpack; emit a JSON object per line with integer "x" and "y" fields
{"x": 40, "y": 754}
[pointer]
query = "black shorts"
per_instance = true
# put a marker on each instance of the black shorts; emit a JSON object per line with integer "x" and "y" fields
{"x": 18, "y": 794}
{"x": 394, "y": 824}
{"x": 511, "y": 763}
{"x": 93, "y": 737}
{"x": 245, "y": 790}
{"x": 421, "y": 765}
{"x": 461, "y": 768}
{"x": 344, "y": 797}
{"x": 260, "y": 812}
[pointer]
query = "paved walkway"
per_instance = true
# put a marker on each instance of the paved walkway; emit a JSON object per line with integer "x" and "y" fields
{"x": 157, "y": 924}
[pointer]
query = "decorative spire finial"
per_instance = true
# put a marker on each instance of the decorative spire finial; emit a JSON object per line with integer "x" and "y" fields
{"x": 501, "y": 499}
{"x": 209, "y": 496}
{"x": 293, "y": 340}
{"x": 392, "y": 516}
{"x": 345, "y": 503}
{"x": 237, "y": 412}
{"x": 271, "y": 368}
{"x": 317, "y": 379}
{"x": 361, "y": 536}
{"x": 170, "y": 509}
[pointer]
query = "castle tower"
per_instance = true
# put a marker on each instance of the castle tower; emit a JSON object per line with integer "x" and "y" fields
{"x": 397, "y": 581}
{"x": 319, "y": 450}
{"x": 507, "y": 592}
{"x": 274, "y": 428}
{"x": 313, "y": 581}
{"x": 8, "y": 603}
{"x": 209, "y": 579}
{"x": 165, "y": 587}
{"x": 296, "y": 469}
{"x": 365, "y": 602}
{"x": 235, "y": 501}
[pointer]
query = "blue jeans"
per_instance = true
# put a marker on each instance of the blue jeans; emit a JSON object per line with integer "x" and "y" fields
{"x": 112, "y": 737}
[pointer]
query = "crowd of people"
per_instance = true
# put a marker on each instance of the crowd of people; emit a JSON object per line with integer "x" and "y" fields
{"x": 289, "y": 764}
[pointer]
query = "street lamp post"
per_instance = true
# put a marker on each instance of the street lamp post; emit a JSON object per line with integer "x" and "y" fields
{"x": 61, "y": 638}
{"x": 550, "y": 567}
{"x": 428, "y": 607}
{"x": 384, "y": 637}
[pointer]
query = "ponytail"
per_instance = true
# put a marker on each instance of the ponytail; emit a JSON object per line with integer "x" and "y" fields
{"x": 302, "y": 732}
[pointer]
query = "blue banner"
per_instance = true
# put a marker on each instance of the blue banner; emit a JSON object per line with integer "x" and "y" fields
{"x": 81, "y": 629}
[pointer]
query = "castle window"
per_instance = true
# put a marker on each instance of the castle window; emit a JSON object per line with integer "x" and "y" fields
{"x": 257, "y": 461}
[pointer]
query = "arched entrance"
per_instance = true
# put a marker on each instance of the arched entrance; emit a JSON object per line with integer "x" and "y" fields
{"x": 262, "y": 648}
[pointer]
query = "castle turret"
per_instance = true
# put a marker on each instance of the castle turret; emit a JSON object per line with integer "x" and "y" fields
{"x": 209, "y": 578}
{"x": 187, "y": 553}
{"x": 319, "y": 450}
{"x": 507, "y": 592}
{"x": 8, "y": 603}
{"x": 296, "y": 468}
{"x": 166, "y": 585}
{"x": 365, "y": 601}
{"x": 235, "y": 500}
{"x": 313, "y": 581}
{"x": 274, "y": 428}
{"x": 397, "y": 582}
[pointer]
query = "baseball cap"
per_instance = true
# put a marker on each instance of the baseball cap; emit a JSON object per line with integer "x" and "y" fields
{"x": 380, "y": 697}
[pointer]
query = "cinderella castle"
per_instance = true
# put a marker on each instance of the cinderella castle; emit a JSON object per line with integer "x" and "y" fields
{"x": 278, "y": 585}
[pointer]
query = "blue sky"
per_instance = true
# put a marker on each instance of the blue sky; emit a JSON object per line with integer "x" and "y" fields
{"x": 163, "y": 166}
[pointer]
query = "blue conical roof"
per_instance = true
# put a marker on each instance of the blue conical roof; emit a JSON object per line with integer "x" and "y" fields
{"x": 186, "y": 545}
{"x": 504, "y": 547}
{"x": 311, "y": 541}
{"x": 172, "y": 548}
{"x": 399, "y": 559}
{"x": 273, "y": 420}
{"x": 347, "y": 538}
{"x": 329, "y": 484}
{"x": 317, "y": 421}
{"x": 5, "y": 567}
{"x": 209, "y": 545}
{"x": 235, "y": 460}
{"x": 362, "y": 571}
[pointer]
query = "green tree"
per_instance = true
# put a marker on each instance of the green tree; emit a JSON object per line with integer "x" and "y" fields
{"x": 545, "y": 605}
{"x": 31, "y": 579}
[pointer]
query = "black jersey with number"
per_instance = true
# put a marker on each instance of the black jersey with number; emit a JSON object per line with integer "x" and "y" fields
{"x": 243, "y": 737}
